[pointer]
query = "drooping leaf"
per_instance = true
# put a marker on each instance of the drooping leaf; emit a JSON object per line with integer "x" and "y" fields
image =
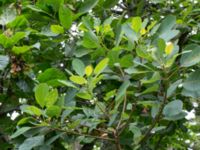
{"x": 19, "y": 132}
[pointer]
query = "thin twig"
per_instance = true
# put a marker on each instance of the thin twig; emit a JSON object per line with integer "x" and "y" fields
{"x": 83, "y": 134}
{"x": 123, "y": 110}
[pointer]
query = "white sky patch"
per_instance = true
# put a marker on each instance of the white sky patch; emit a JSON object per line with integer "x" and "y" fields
{"x": 195, "y": 104}
{"x": 14, "y": 115}
{"x": 61, "y": 65}
{"x": 190, "y": 115}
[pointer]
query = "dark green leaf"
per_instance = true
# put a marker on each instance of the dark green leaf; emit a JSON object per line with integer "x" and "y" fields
{"x": 87, "y": 5}
{"x": 65, "y": 16}
{"x": 32, "y": 142}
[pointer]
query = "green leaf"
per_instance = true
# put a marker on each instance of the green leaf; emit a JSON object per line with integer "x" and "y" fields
{"x": 113, "y": 57}
{"x": 136, "y": 24}
{"x": 53, "y": 111}
{"x": 65, "y": 16}
{"x": 126, "y": 61}
{"x": 167, "y": 24}
{"x": 78, "y": 66}
{"x": 172, "y": 87}
{"x": 51, "y": 98}
{"x": 78, "y": 79}
{"x": 101, "y": 66}
{"x": 19, "y": 132}
{"x": 90, "y": 40}
{"x": 136, "y": 131}
{"x": 173, "y": 108}
{"x": 21, "y": 49}
{"x": 67, "y": 83}
{"x": 4, "y": 60}
{"x": 41, "y": 92}
{"x": 11, "y": 41}
{"x": 191, "y": 58}
{"x": 142, "y": 52}
{"x": 122, "y": 89}
{"x": 32, "y": 110}
{"x": 153, "y": 88}
{"x": 165, "y": 30}
{"x": 57, "y": 29}
{"x": 130, "y": 33}
{"x": 155, "y": 77}
{"x": 191, "y": 85}
{"x": 84, "y": 95}
{"x": 32, "y": 142}
{"x": 87, "y": 5}
{"x": 110, "y": 94}
{"x": 110, "y": 3}
{"x": 51, "y": 76}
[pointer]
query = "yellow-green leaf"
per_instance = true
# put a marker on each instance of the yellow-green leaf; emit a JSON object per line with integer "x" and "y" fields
{"x": 101, "y": 66}
{"x": 21, "y": 49}
{"x": 88, "y": 70}
{"x": 169, "y": 47}
{"x": 51, "y": 98}
{"x": 57, "y": 29}
{"x": 78, "y": 79}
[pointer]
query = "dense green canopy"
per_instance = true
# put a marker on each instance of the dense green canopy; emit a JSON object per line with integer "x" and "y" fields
{"x": 99, "y": 74}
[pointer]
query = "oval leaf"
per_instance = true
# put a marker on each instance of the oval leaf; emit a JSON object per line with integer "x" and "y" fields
{"x": 78, "y": 67}
{"x": 65, "y": 16}
{"x": 78, "y": 79}
{"x": 41, "y": 91}
{"x": 101, "y": 66}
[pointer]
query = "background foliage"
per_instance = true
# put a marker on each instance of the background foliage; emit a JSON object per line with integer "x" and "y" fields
{"x": 99, "y": 74}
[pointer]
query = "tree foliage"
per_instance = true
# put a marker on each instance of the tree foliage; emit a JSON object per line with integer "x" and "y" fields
{"x": 99, "y": 74}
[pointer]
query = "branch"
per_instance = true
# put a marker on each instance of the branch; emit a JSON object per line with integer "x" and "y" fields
{"x": 156, "y": 120}
{"x": 82, "y": 134}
